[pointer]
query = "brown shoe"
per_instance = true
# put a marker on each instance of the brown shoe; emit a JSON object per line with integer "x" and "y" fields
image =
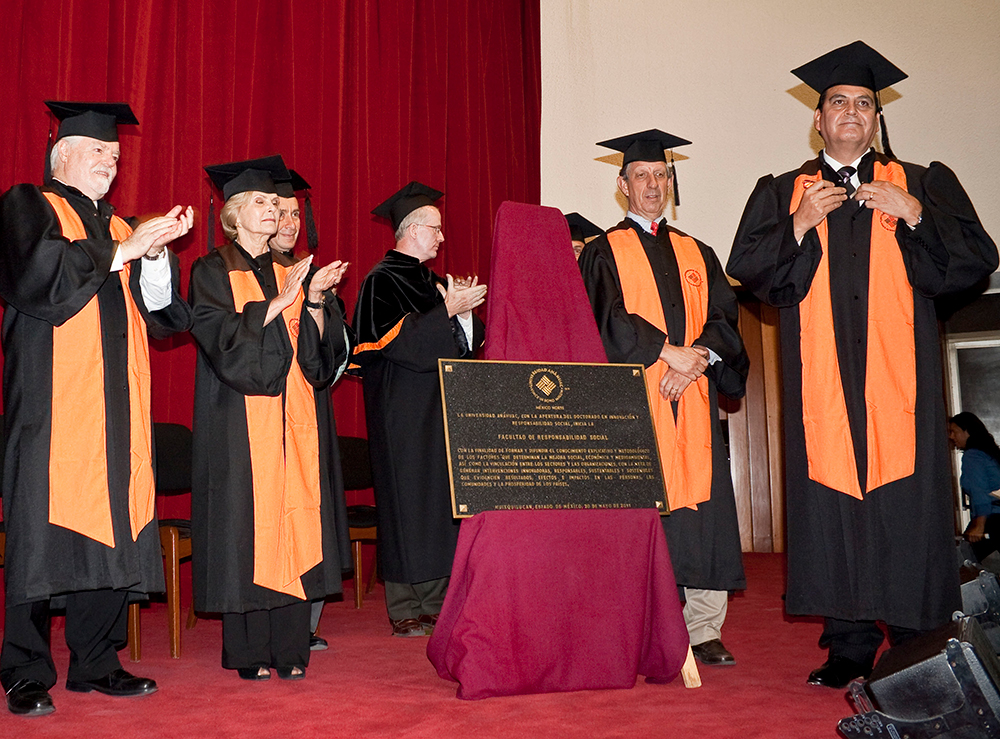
{"x": 428, "y": 621}
{"x": 713, "y": 653}
{"x": 406, "y": 627}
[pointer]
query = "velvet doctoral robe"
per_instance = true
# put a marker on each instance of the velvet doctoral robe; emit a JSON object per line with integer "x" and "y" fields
{"x": 704, "y": 543}
{"x": 46, "y": 279}
{"x": 237, "y": 357}
{"x": 402, "y": 329}
{"x": 889, "y": 555}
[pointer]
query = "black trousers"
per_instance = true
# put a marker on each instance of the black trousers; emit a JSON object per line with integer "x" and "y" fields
{"x": 859, "y": 640}
{"x": 278, "y": 637}
{"x": 96, "y": 628}
{"x": 409, "y": 600}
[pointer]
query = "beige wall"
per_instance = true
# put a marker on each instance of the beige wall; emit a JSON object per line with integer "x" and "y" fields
{"x": 717, "y": 73}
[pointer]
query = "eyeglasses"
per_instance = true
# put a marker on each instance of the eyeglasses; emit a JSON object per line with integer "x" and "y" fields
{"x": 433, "y": 228}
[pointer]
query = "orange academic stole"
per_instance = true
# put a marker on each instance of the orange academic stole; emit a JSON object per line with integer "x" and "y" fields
{"x": 79, "y": 499}
{"x": 685, "y": 444}
{"x": 890, "y": 382}
{"x": 284, "y": 449}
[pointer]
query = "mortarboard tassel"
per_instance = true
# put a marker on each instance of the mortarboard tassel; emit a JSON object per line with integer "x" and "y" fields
{"x": 883, "y": 131}
{"x": 211, "y": 222}
{"x": 312, "y": 237}
{"x": 885, "y": 136}
{"x": 673, "y": 178}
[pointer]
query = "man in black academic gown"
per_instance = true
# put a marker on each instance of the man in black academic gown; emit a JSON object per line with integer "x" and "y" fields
{"x": 853, "y": 247}
{"x": 282, "y": 245}
{"x": 580, "y": 229}
{"x": 662, "y": 300}
{"x": 406, "y": 319}
{"x": 80, "y": 288}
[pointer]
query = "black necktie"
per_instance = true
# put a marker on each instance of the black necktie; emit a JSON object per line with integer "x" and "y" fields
{"x": 845, "y": 174}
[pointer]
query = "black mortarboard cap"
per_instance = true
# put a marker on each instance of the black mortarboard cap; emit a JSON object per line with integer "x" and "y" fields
{"x": 96, "y": 120}
{"x": 288, "y": 188}
{"x": 580, "y": 229}
{"x": 405, "y": 201}
{"x": 646, "y": 146}
{"x": 856, "y": 64}
{"x": 249, "y": 175}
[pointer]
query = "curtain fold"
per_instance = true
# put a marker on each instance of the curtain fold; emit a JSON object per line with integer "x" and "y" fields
{"x": 360, "y": 97}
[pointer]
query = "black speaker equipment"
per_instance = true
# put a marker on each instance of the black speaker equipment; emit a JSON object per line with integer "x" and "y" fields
{"x": 942, "y": 684}
{"x": 981, "y": 599}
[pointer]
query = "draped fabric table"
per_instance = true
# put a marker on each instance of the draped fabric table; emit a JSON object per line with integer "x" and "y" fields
{"x": 547, "y": 601}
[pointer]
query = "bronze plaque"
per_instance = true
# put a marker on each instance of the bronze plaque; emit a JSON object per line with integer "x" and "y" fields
{"x": 542, "y": 436}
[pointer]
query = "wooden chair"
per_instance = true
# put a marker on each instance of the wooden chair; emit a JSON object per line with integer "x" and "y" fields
{"x": 356, "y": 466}
{"x": 173, "y": 477}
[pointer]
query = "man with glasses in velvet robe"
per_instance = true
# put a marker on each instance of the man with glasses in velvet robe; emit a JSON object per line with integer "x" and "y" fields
{"x": 853, "y": 247}
{"x": 407, "y": 318}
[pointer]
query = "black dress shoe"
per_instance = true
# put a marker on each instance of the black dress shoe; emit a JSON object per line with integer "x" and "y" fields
{"x": 29, "y": 698}
{"x": 118, "y": 683}
{"x": 317, "y": 643}
{"x": 712, "y": 652}
{"x": 260, "y": 672}
{"x": 289, "y": 673}
{"x": 837, "y": 672}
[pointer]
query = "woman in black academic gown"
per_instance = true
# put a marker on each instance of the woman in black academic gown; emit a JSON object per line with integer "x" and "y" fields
{"x": 263, "y": 526}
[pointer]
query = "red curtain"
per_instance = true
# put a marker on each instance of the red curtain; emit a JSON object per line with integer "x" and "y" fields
{"x": 359, "y": 97}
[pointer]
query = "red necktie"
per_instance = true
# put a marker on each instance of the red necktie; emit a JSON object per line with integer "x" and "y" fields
{"x": 654, "y": 227}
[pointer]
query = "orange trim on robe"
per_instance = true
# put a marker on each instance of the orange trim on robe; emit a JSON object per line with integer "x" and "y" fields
{"x": 284, "y": 462}
{"x": 685, "y": 444}
{"x": 891, "y": 375}
{"x": 374, "y": 346}
{"x": 79, "y": 498}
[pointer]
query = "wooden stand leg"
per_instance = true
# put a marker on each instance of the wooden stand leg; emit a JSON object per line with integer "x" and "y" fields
{"x": 134, "y": 633}
{"x": 174, "y": 592}
{"x": 689, "y": 672}
{"x": 358, "y": 595}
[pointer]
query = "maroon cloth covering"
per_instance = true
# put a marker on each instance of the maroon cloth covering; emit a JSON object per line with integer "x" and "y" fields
{"x": 537, "y": 309}
{"x": 547, "y": 601}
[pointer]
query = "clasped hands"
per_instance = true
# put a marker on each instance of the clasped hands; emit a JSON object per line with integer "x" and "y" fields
{"x": 151, "y": 237}
{"x": 825, "y": 196}
{"x": 686, "y": 364}
{"x": 462, "y": 295}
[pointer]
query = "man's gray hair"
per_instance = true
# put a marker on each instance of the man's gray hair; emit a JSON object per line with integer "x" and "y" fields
{"x": 411, "y": 218}
{"x": 54, "y": 154}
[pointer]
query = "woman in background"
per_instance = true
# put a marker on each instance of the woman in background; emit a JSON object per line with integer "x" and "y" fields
{"x": 980, "y": 477}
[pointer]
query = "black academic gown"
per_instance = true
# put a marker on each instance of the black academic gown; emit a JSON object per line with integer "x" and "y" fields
{"x": 416, "y": 532}
{"x": 890, "y": 556}
{"x": 239, "y": 356}
{"x": 325, "y": 419}
{"x": 46, "y": 279}
{"x": 705, "y": 543}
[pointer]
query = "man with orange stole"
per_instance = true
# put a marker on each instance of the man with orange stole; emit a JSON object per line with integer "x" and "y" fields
{"x": 81, "y": 289}
{"x": 853, "y": 247}
{"x": 661, "y": 299}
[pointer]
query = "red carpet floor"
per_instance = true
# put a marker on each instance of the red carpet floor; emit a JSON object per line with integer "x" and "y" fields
{"x": 371, "y": 685}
